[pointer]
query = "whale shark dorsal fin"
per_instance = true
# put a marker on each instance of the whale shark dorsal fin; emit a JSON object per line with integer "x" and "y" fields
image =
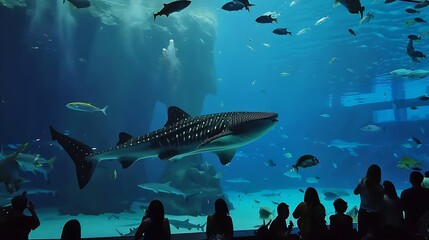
{"x": 226, "y": 156}
{"x": 123, "y": 137}
{"x": 175, "y": 114}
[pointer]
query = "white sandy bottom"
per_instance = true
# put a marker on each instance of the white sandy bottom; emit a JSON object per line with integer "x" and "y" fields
{"x": 245, "y": 215}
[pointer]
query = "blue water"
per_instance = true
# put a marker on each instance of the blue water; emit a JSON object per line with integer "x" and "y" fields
{"x": 111, "y": 54}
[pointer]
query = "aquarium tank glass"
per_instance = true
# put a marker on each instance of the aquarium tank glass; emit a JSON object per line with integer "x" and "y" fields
{"x": 109, "y": 104}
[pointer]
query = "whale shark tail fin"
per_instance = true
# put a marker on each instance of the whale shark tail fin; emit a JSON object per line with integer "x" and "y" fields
{"x": 79, "y": 153}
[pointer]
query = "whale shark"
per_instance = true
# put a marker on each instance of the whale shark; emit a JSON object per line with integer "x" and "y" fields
{"x": 181, "y": 136}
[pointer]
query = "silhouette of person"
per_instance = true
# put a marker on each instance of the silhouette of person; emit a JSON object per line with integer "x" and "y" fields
{"x": 392, "y": 212}
{"x": 19, "y": 225}
{"x": 414, "y": 201}
{"x": 154, "y": 225}
{"x": 371, "y": 193}
{"x": 278, "y": 228}
{"x": 341, "y": 225}
{"x": 311, "y": 216}
{"x": 425, "y": 182}
{"x": 71, "y": 230}
{"x": 219, "y": 225}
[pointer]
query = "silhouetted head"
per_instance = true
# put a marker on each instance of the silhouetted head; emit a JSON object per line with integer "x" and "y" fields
{"x": 340, "y": 205}
{"x": 155, "y": 211}
{"x": 311, "y": 197}
{"x": 71, "y": 230}
{"x": 416, "y": 178}
{"x": 283, "y": 210}
{"x": 373, "y": 175}
{"x": 390, "y": 190}
{"x": 221, "y": 208}
{"x": 19, "y": 203}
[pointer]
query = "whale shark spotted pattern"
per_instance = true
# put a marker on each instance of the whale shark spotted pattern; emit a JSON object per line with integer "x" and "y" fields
{"x": 182, "y": 135}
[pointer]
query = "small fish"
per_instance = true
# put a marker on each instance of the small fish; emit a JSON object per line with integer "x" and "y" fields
{"x": 288, "y": 155}
{"x": 282, "y": 31}
{"x": 322, "y": 20}
{"x": 372, "y": 128}
{"x": 411, "y": 10}
{"x": 367, "y": 18}
{"x": 270, "y": 163}
{"x": 422, "y": 4}
{"x": 416, "y": 140}
{"x": 114, "y": 175}
{"x": 305, "y": 161}
{"x": 266, "y": 19}
{"x": 284, "y": 74}
{"x": 256, "y": 201}
{"x": 233, "y": 6}
{"x": 419, "y": 20}
{"x": 424, "y": 98}
{"x": 249, "y": 47}
{"x": 303, "y": 31}
{"x": 3, "y": 101}
{"x": 246, "y": 4}
{"x": 266, "y": 45}
{"x": 325, "y": 115}
{"x": 334, "y": 165}
{"x": 414, "y": 108}
{"x": 414, "y": 37}
{"x": 333, "y": 59}
{"x": 352, "y": 32}
{"x": 86, "y": 107}
{"x": 312, "y": 179}
{"x": 301, "y": 190}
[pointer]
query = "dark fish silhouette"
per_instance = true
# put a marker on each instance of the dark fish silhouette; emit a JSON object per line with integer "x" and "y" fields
{"x": 233, "y": 6}
{"x": 172, "y": 7}
{"x": 246, "y": 4}
{"x": 79, "y": 3}
{"x": 354, "y": 6}
{"x": 266, "y": 19}
{"x": 424, "y": 98}
{"x": 411, "y": 10}
{"x": 305, "y": 161}
{"x": 416, "y": 140}
{"x": 282, "y": 31}
{"x": 352, "y": 32}
{"x": 419, "y": 20}
{"x": 422, "y": 4}
{"x": 414, "y": 55}
{"x": 414, "y": 37}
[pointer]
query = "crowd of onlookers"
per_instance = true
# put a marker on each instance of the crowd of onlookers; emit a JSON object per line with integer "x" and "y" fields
{"x": 383, "y": 215}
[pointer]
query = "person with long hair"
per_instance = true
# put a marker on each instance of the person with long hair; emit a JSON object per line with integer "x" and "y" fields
{"x": 371, "y": 193}
{"x": 311, "y": 216}
{"x": 154, "y": 225}
{"x": 71, "y": 230}
{"x": 219, "y": 225}
{"x": 392, "y": 212}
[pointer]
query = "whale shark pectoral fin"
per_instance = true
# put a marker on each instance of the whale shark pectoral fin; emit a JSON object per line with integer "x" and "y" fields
{"x": 215, "y": 137}
{"x": 126, "y": 162}
{"x": 175, "y": 114}
{"x": 226, "y": 156}
{"x": 124, "y": 137}
{"x": 168, "y": 154}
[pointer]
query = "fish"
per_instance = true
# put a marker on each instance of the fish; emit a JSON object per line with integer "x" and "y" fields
{"x": 36, "y": 163}
{"x": 265, "y": 213}
{"x": 400, "y": 72}
{"x": 312, "y": 179}
{"x": 181, "y": 136}
{"x": 172, "y": 7}
{"x": 233, "y": 6}
{"x": 411, "y": 10}
{"x": 372, "y": 128}
{"x": 409, "y": 163}
{"x": 246, "y": 4}
{"x": 282, "y": 31}
{"x": 86, "y": 107}
{"x": 333, "y": 59}
{"x": 330, "y": 196}
{"x": 293, "y": 174}
{"x": 353, "y": 6}
{"x": 414, "y": 37}
{"x": 367, "y": 18}
{"x": 422, "y": 4}
{"x": 325, "y": 115}
{"x": 424, "y": 98}
{"x": 266, "y": 19}
{"x": 421, "y": 20}
{"x": 79, "y": 3}
{"x": 303, "y": 31}
{"x": 349, "y": 146}
{"x": 416, "y": 140}
{"x": 186, "y": 224}
{"x": 352, "y": 32}
{"x": 322, "y": 20}
{"x": 237, "y": 180}
{"x": 166, "y": 188}
{"x": 418, "y": 74}
{"x": 414, "y": 108}
{"x": 9, "y": 170}
{"x": 305, "y": 161}
{"x": 271, "y": 194}
{"x": 270, "y": 163}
